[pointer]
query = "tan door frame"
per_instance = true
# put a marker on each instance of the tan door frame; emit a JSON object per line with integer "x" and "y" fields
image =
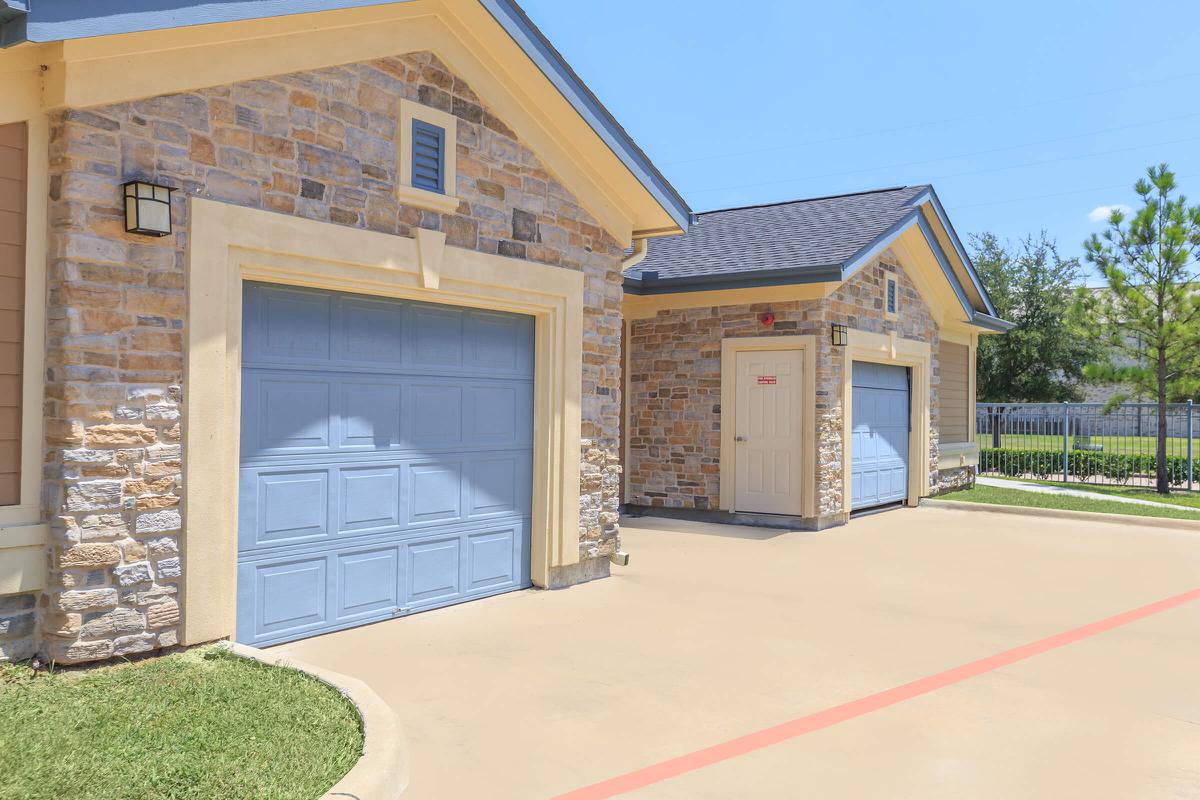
{"x": 890, "y": 349}
{"x": 807, "y": 345}
{"x": 228, "y": 245}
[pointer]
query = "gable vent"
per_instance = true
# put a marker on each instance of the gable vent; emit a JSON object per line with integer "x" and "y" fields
{"x": 428, "y": 157}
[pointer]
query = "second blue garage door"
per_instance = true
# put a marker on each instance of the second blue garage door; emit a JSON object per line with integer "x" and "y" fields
{"x": 386, "y": 459}
{"x": 879, "y": 439}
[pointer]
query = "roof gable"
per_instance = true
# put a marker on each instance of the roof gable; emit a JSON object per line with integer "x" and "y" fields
{"x": 631, "y": 197}
{"x": 818, "y": 240}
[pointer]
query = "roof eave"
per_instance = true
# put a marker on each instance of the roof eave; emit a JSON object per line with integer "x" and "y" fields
{"x": 706, "y": 283}
{"x": 930, "y": 196}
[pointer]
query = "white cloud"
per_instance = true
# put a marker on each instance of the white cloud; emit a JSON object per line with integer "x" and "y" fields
{"x": 1102, "y": 213}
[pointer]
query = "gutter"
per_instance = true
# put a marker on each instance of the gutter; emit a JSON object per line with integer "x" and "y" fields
{"x": 647, "y": 282}
{"x": 988, "y": 322}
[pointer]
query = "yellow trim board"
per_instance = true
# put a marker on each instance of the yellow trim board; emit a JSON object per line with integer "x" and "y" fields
{"x": 228, "y": 245}
{"x": 890, "y": 349}
{"x": 644, "y": 306}
{"x": 959, "y": 454}
{"x": 33, "y": 378}
{"x": 23, "y": 558}
{"x": 807, "y": 345}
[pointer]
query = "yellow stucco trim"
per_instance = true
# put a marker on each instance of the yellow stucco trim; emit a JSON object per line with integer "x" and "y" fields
{"x": 961, "y": 454}
{"x": 33, "y": 383}
{"x": 638, "y": 306}
{"x": 23, "y": 559}
{"x": 807, "y": 345}
{"x": 228, "y": 245}
{"x": 111, "y": 69}
{"x": 890, "y": 349}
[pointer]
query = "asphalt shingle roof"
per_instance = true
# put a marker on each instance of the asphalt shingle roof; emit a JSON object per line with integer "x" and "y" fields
{"x": 800, "y": 234}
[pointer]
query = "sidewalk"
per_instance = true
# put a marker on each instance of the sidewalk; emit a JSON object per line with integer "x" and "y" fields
{"x": 1044, "y": 489}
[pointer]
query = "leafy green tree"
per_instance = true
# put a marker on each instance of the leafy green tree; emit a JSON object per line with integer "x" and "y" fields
{"x": 1042, "y": 359}
{"x": 1150, "y": 312}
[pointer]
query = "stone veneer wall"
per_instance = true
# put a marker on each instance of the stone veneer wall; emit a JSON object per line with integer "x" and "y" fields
{"x": 674, "y": 390}
{"x": 315, "y": 144}
{"x": 953, "y": 479}
{"x": 18, "y": 626}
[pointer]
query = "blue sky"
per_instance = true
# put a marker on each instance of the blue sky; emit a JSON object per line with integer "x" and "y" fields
{"x": 1025, "y": 116}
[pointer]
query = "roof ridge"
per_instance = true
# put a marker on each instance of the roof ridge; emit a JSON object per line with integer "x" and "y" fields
{"x": 808, "y": 199}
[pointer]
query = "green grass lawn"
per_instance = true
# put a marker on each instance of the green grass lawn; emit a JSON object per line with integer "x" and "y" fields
{"x": 200, "y": 724}
{"x": 1017, "y": 497}
{"x": 1178, "y": 497}
{"x": 1123, "y": 445}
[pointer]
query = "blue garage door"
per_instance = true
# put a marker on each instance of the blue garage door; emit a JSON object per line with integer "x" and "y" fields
{"x": 879, "y": 442}
{"x": 386, "y": 459}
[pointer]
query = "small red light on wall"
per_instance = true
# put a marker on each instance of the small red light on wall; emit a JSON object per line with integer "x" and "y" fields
{"x": 767, "y": 319}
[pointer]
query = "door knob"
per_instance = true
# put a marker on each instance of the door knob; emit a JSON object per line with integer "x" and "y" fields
{"x": 739, "y": 438}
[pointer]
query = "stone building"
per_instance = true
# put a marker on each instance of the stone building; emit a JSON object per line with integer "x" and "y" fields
{"x": 371, "y": 365}
{"x": 802, "y": 360}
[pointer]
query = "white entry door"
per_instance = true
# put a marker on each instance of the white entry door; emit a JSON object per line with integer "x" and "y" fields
{"x": 767, "y": 432}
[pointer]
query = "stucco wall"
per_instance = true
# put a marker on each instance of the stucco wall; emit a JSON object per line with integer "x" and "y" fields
{"x": 315, "y": 144}
{"x": 674, "y": 389}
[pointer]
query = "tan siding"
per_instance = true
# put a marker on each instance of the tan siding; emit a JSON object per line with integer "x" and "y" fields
{"x": 12, "y": 302}
{"x": 954, "y": 392}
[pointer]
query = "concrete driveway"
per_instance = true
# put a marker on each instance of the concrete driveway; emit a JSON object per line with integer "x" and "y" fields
{"x": 716, "y": 635}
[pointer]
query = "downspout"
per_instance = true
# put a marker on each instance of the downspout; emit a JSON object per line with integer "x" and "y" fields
{"x": 634, "y": 258}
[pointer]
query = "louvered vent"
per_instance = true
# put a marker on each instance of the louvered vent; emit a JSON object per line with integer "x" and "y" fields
{"x": 891, "y": 296}
{"x": 428, "y": 157}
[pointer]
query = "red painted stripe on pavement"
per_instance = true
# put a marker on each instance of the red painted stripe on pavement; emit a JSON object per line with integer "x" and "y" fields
{"x": 742, "y": 745}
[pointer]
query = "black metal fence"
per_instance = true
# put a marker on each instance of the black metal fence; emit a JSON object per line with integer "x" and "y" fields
{"x": 1082, "y": 442}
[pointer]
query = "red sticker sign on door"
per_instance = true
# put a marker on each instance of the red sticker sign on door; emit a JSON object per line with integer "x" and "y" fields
{"x": 766, "y": 380}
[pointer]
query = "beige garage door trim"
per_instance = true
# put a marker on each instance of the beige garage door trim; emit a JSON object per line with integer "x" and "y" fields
{"x": 228, "y": 245}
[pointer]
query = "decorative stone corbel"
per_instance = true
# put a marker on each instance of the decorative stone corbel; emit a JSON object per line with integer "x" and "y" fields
{"x": 431, "y": 246}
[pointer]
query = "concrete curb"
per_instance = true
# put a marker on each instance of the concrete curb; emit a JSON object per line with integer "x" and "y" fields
{"x": 382, "y": 771}
{"x": 1059, "y": 513}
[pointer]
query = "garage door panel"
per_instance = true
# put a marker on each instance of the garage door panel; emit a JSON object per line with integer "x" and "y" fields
{"x": 386, "y": 459}
{"x": 283, "y": 507}
{"x": 490, "y": 559}
{"x": 289, "y": 414}
{"x": 369, "y": 499}
{"x": 435, "y": 415}
{"x": 499, "y": 485}
{"x": 295, "y": 325}
{"x": 497, "y": 343}
{"x": 287, "y": 598}
{"x": 370, "y": 415}
{"x": 434, "y": 570}
{"x": 438, "y": 339}
{"x": 435, "y": 492}
{"x": 372, "y": 333}
{"x": 368, "y": 583}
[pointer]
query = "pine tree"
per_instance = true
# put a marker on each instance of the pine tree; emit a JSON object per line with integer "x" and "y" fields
{"x": 1150, "y": 311}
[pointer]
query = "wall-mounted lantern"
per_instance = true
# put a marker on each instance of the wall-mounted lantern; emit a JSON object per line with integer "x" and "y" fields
{"x": 147, "y": 208}
{"x": 841, "y": 335}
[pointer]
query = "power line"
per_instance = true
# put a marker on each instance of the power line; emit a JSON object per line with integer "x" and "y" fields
{"x": 970, "y": 154}
{"x": 924, "y": 124}
{"x": 1051, "y": 194}
{"x": 961, "y": 174}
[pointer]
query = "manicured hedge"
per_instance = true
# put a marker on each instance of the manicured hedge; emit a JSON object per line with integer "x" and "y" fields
{"x": 1081, "y": 464}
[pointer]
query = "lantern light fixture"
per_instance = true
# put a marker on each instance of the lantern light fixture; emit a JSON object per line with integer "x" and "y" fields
{"x": 841, "y": 335}
{"x": 147, "y": 208}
